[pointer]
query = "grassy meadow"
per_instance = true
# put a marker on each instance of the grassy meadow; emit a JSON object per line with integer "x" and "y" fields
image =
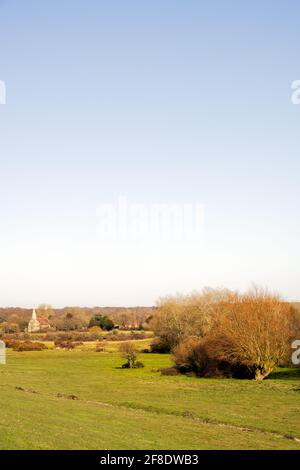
{"x": 81, "y": 399}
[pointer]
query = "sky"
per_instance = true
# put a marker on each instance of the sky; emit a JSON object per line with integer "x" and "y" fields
{"x": 160, "y": 102}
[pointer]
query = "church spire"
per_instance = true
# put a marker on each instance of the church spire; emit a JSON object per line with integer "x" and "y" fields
{"x": 34, "y": 324}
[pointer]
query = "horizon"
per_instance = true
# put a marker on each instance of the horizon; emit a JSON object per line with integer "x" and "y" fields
{"x": 54, "y": 307}
{"x": 182, "y": 110}
{"x": 61, "y": 307}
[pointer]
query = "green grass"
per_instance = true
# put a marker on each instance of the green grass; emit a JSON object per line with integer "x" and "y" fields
{"x": 139, "y": 409}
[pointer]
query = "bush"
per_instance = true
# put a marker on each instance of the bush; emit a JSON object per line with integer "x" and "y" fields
{"x": 102, "y": 321}
{"x": 196, "y": 356}
{"x": 28, "y": 346}
{"x": 96, "y": 330}
{"x": 138, "y": 336}
{"x": 129, "y": 352}
{"x": 170, "y": 371}
{"x": 81, "y": 337}
{"x": 60, "y": 344}
{"x": 99, "y": 347}
{"x": 7, "y": 338}
{"x": 10, "y": 343}
{"x": 116, "y": 337}
{"x": 138, "y": 365}
{"x": 159, "y": 346}
{"x": 133, "y": 336}
{"x": 191, "y": 356}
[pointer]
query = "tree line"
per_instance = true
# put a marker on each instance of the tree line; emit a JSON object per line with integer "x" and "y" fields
{"x": 15, "y": 320}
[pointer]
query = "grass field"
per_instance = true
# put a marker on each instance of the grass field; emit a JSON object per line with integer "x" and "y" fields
{"x": 114, "y": 408}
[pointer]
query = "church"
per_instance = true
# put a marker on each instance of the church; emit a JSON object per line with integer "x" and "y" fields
{"x": 37, "y": 325}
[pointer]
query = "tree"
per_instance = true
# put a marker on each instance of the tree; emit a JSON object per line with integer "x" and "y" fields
{"x": 102, "y": 321}
{"x": 253, "y": 330}
{"x": 180, "y": 317}
{"x": 8, "y": 327}
{"x": 129, "y": 352}
{"x": 73, "y": 319}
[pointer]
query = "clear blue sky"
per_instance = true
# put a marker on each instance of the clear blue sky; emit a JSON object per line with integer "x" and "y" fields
{"x": 162, "y": 101}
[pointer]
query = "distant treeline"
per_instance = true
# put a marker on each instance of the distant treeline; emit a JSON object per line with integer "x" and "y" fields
{"x": 16, "y": 319}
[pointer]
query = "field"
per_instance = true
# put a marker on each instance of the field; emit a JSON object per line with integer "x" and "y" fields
{"x": 83, "y": 400}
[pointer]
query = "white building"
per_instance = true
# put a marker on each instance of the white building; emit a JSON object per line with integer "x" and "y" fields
{"x": 34, "y": 324}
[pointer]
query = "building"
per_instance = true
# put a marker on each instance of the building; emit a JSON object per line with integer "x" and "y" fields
{"x": 35, "y": 325}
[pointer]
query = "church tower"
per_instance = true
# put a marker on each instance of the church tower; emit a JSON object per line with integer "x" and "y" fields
{"x": 34, "y": 324}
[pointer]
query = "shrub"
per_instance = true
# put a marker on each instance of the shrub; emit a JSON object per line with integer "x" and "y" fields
{"x": 196, "y": 356}
{"x": 99, "y": 347}
{"x": 15, "y": 336}
{"x": 72, "y": 336}
{"x": 159, "y": 346}
{"x": 102, "y": 321}
{"x": 96, "y": 330}
{"x": 138, "y": 336}
{"x": 129, "y": 352}
{"x": 28, "y": 346}
{"x": 10, "y": 343}
{"x": 60, "y": 344}
{"x": 126, "y": 365}
{"x": 138, "y": 365}
{"x": 116, "y": 336}
{"x": 191, "y": 356}
{"x": 170, "y": 371}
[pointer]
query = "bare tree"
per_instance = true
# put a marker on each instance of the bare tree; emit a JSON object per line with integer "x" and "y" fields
{"x": 180, "y": 317}
{"x": 254, "y": 330}
{"x": 129, "y": 352}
